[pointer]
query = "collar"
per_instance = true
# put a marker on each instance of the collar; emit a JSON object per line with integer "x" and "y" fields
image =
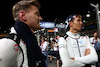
{"x": 23, "y": 26}
{"x": 13, "y": 30}
{"x": 73, "y": 35}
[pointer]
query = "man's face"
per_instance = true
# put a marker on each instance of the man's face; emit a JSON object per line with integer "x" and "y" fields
{"x": 95, "y": 34}
{"x": 76, "y": 24}
{"x": 33, "y": 18}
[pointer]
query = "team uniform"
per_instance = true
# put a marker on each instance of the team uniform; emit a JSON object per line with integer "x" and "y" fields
{"x": 74, "y": 46}
{"x": 10, "y": 51}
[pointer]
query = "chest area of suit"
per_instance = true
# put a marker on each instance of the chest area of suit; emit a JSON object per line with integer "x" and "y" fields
{"x": 77, "y": 47}
{"x": 74, "y": 42}
{"x": 22, "y": 57}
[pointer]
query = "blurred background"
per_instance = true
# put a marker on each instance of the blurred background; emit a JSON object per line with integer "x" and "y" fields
{"x": 54, "y": 12}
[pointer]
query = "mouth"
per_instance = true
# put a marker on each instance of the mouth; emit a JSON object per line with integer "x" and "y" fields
{"x": 80, "y": 26}
{"x": 38, "y": 22}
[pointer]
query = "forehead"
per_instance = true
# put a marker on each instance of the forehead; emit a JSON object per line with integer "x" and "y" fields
{"x": 34, "y": 8}
{"x": 95, "y": 33}
{"x": 77, "y": 18}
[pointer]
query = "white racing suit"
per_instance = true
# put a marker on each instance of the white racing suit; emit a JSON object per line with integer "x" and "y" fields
{"x": 10, "y": 53}
{"x": 74, "y": 46}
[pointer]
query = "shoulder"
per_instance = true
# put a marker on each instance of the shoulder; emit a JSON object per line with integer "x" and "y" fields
{"x": 7, "y": 44}
{"x": 83, "y": 37}
{"x": 62, "y": 43}
{"x": 91, "y": 37}
{"x": 8, "y": 51}
{"x": 6, "y": 41}
{"x": 62, "y": 40}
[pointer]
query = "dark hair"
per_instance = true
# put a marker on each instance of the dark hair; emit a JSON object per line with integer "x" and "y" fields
{"x": 53, "y": 40}
{"x": 72, "y": 16}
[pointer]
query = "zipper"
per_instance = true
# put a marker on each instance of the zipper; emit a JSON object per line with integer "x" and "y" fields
{"x": 77, "y": 44}
{"x": 78, "y": 47}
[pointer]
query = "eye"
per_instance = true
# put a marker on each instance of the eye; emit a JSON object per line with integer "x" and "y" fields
{"x": 79, "y": 20}
{"x": 37, "y": 13}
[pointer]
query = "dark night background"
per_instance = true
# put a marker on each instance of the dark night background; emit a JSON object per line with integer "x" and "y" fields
{"x": 50, "y": 9}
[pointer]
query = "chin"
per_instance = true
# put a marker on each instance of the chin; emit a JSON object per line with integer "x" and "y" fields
{"x": 38, "y": 28}
{"x": 79, "y": 29}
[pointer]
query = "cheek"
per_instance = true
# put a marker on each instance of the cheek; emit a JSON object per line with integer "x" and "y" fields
{"x": 76, "y": 26}
{"x": 32, "y": 20}
{"x": 35, "y": 22}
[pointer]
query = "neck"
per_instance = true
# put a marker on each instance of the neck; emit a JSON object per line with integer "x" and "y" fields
{"x": 73, "y": 31}
{"x": 28, "y": 25}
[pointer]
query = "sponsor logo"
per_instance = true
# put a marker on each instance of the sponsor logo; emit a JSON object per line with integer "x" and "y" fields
{"x": 16, "y": 48}
{"x": 82, "y": 37}
{"x": 80, "y": 42}
{"x": 23, "y": 42}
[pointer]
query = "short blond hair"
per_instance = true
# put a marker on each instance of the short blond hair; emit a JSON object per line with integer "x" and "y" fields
{"x": 35, "y": 1}
{"x": 24, "y": 6}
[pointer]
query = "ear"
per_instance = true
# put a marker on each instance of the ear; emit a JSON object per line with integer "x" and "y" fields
{"x": 22, "y": 16}
{"x": 70, "y": 23}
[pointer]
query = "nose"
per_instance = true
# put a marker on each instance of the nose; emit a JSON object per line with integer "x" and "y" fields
{"x": 40, "y": 18}
{"x": 81, "y": 22}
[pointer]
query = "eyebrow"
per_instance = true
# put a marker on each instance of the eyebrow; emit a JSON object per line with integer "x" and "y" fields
{"x": 37, "y": 12}
{"x": 79, "y": 20}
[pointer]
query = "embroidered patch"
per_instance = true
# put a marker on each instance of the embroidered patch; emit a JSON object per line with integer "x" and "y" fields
{"x": 74, "y": 16}
{"x": 68, "y": 38}
{"x": 16, "y": 48}
{"x": 23, "y": 42}
{"x": 82, "y": 37}
{"x": 62, "y": 46}
{"x": 74, "y": 45}
{"x": 80, "y": 42}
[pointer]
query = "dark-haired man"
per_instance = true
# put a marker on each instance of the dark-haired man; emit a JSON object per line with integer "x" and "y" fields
{"x": 76, "y": 50}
